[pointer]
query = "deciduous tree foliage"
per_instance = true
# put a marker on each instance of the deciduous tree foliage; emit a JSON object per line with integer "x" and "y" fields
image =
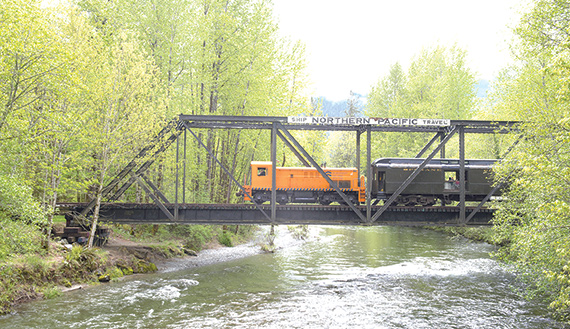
{"x": 33, "y": 73}
{"x": 535, "y": 216}
{"x": 216, "y": 58}
{"x": 438, "y": 84}
{"x": 83, "y": 90}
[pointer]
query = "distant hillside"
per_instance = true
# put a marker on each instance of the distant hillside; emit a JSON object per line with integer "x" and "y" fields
{"x": 333, "y": 109}
{"x": 338, "y": 109}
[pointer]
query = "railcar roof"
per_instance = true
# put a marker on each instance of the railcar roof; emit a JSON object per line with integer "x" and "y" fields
{"x": 434, "y": 163}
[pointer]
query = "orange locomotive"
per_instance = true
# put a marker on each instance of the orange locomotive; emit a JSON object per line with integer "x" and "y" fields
{"x": 303, "y": 185}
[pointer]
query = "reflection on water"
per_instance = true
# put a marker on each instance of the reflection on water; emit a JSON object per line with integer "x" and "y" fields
{"x": 350, "y": 277}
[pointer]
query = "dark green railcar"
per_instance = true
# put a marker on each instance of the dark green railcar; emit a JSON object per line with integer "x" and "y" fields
{"x": 439, "y": 180}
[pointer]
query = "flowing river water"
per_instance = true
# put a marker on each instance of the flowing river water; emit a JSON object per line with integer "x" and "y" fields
{"x": 343, "y": 277}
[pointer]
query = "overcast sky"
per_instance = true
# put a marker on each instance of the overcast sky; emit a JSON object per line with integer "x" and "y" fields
{"x": 351, "y": 44}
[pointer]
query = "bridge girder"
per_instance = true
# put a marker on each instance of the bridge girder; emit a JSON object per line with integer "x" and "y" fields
{"x": 280, "y": 127}
{"x": 248, "y": 214}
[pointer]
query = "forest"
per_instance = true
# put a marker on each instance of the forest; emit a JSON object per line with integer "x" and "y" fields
{"x": 85, "y": 85}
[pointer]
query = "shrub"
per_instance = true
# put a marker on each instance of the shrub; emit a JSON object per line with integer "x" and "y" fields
{"x": 82, "y": 262}
{"x": 21, "y": 218}
{"x": 18, "y": 238}
{"x": 51, "y": 292}
{"x": 17, "y": 202}
{"x": 299, "y": 232}
{"x": 115, "y": 273}
{"x": 195, "y": 236}
{"x": 226, "y": 239}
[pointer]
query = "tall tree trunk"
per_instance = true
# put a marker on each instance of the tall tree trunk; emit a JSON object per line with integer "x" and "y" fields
{"x": 213, "y": 172}
{"x": 209, "y": 161}
{"x": 55, "y": 179}
{"x": 233, "y": 169}
{"x": 95, "y": 217}
{"x": 221, "y": 172}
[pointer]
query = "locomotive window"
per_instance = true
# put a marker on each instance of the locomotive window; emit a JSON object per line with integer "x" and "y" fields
{"x": 342, "y": 183}
{"x": 261, "y": 171}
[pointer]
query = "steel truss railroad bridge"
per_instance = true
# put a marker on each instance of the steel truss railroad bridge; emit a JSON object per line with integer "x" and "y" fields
{"x": 164, "y": 211}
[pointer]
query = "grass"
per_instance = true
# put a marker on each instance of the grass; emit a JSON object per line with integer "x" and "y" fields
{"x": 59, "y": 219}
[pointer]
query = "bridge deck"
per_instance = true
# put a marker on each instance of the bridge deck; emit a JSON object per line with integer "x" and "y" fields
{"x": 241, "y": 214}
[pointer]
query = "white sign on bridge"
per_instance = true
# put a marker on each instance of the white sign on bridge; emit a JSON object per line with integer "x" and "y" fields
{"x": 369, "y": 121}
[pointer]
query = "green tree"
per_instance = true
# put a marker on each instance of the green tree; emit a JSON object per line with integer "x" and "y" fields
{"x": 242, "y": 67}
{"x": 389, "y": 93}
{"x": 34, "y": 71}
{"x": 81, "y": 91}
{"x": 215, "y": 58}
{"x": 56, "y": 153}
{"x": 438, "y": 84}
{"x": 124, "y": 110}
{"x": 31, "y": 60}
{"x": 388, "y": 99}
{"x": 534, "y": 217}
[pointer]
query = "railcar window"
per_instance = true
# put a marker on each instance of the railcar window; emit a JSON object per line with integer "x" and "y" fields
{"x": 261, "y": 171}
{"x": 451, "y": 175}
{"x": 451, "y": 180}
{"x": 381, "y": 180}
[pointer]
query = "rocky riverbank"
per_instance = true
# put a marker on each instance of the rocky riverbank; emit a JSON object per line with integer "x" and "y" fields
{"x": 69, "y": 268}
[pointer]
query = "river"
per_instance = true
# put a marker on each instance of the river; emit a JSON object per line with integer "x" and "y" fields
{"x": 343, "y": 277}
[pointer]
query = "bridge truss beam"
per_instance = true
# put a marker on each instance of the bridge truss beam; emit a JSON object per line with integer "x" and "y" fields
{"x": 280, "y": 127}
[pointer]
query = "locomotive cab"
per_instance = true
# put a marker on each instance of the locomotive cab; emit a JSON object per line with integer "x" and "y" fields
{"x": 261, "y": 172}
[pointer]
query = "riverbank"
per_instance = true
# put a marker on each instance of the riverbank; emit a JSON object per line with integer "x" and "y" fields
{"x": 130, "y": 250}
{"x": 481, "y": 233}
{"x": 345, "y": 276}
